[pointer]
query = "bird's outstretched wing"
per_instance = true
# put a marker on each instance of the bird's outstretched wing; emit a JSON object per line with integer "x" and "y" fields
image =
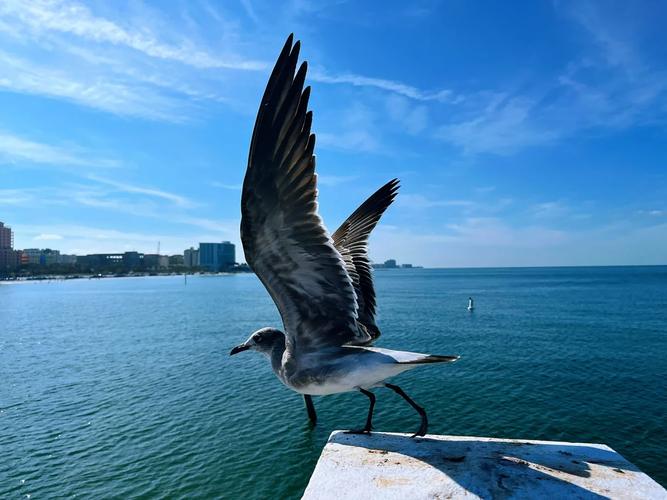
{"x": 351, "y": 240}
{"x": 284, "y": 239}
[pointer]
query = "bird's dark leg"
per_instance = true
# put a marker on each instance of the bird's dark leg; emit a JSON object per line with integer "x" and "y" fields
{"x": 423, "y": 428}
{"x": 369, "y": 418}
{"x": 310, "y": 408}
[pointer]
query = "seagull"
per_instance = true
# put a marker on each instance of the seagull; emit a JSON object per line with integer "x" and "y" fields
{"x": 321, "y": 284}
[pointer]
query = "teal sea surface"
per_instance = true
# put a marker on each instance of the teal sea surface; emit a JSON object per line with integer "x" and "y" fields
{"x": 125, "y": 387}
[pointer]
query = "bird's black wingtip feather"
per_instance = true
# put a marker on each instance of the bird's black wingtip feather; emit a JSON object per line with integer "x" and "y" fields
{"x": 395, "y": 182}
{"x": 287, "y": 48}
{"x": 391, "y": 188}
{"x": 301, "y": 73}
{"x": 294, "y": 54}
{"x": 282, "y": 61}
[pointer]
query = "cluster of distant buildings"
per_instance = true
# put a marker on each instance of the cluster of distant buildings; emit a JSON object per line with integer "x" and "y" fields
{"x": 210, "y": 257}
{"x": 392, "y": 264}
{"x": 207, "y": 257}
{"x": 11, "y": 259}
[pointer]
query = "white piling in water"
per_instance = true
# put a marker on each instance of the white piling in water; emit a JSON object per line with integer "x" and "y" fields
{"x": 394, "y": 466}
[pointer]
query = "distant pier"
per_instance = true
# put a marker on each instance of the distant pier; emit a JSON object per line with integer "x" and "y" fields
{"x": 394, "y": 466}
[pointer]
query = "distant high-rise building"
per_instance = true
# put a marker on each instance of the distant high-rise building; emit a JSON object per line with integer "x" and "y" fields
{"x": 6, "y": 237}
{"x": 8, "y": 256}
{"x": 191, "y": 257}
{"x": 228, "y": 254}
{"x": 390, "y": 264}
{"x": 217, "y": 256}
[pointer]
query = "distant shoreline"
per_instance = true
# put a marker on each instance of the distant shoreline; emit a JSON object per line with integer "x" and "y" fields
{"x": 68, "y": 277}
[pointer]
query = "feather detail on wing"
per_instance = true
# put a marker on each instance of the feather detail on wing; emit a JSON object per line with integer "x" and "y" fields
{"x": 284, "y": 239}
{"x": 351, "y": 240}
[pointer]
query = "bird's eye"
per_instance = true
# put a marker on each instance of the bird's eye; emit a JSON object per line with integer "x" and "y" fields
{"x": 257, "y": 338}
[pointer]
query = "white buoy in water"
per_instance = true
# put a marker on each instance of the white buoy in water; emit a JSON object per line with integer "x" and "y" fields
{"x": 471, "y": 304}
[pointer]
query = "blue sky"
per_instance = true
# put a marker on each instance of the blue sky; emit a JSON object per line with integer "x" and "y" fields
{"x": 530, "y": 133}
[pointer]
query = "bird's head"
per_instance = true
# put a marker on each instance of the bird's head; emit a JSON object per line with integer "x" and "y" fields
{"x": 264, "y": 340}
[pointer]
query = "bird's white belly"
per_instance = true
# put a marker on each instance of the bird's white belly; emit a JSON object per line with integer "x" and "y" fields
{"x": 364, "y": 377}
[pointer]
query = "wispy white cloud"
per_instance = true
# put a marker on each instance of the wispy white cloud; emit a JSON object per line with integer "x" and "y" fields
{"x": 250, "y": 10}
{"x": 614, "y": 49}
{"x": 356, "y": 130}
{"x": 77, "y": 19}
{"x": 81, "y": 239}
{"x": 177, "y": 215}
{"x": 361, "y": 141}
{"x": 504, "y": 126}
{"x": 102, "y": 200}
{"x": 141, "y": 67}
{"x": 15, "y": 197}
{"x": 610, "y": 84}
{"x": 138, "y": 201}
{"x": 616, "y": 82}
{"x": 419, "y": 201}
{"x": 156, "y": 70}
{"x": 549, "y": 209}
{"x": 412, "y": 118}
{"x": 653, "y": 212}
{"x": 222, "y": 185}
{"x": 48, "y": 237}
{"x": 18, "y": 150}
{"x": 62, "y": 50}
{"x": 123, "y": 198}
{"x": 85, "y": 88}
{"x": 445, "y": 95}
{"x": 179, "y": 200}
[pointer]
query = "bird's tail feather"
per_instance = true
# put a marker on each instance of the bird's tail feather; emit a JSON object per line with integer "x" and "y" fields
{"x": 431, "y": 358}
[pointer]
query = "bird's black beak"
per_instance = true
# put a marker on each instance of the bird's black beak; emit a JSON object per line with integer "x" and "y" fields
{"x": 239, "y": 348}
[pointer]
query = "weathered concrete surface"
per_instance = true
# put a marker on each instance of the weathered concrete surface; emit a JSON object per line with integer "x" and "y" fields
{"x": 394, "y": 466}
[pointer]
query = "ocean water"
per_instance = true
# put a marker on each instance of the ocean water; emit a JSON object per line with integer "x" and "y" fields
{"x": 125, "y": 387}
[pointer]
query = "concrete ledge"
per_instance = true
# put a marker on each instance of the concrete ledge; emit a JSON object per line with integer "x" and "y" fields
{"x": 394, "y": 466}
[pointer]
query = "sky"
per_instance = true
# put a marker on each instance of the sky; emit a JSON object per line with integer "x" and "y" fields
{"x": 525, "y": 134}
